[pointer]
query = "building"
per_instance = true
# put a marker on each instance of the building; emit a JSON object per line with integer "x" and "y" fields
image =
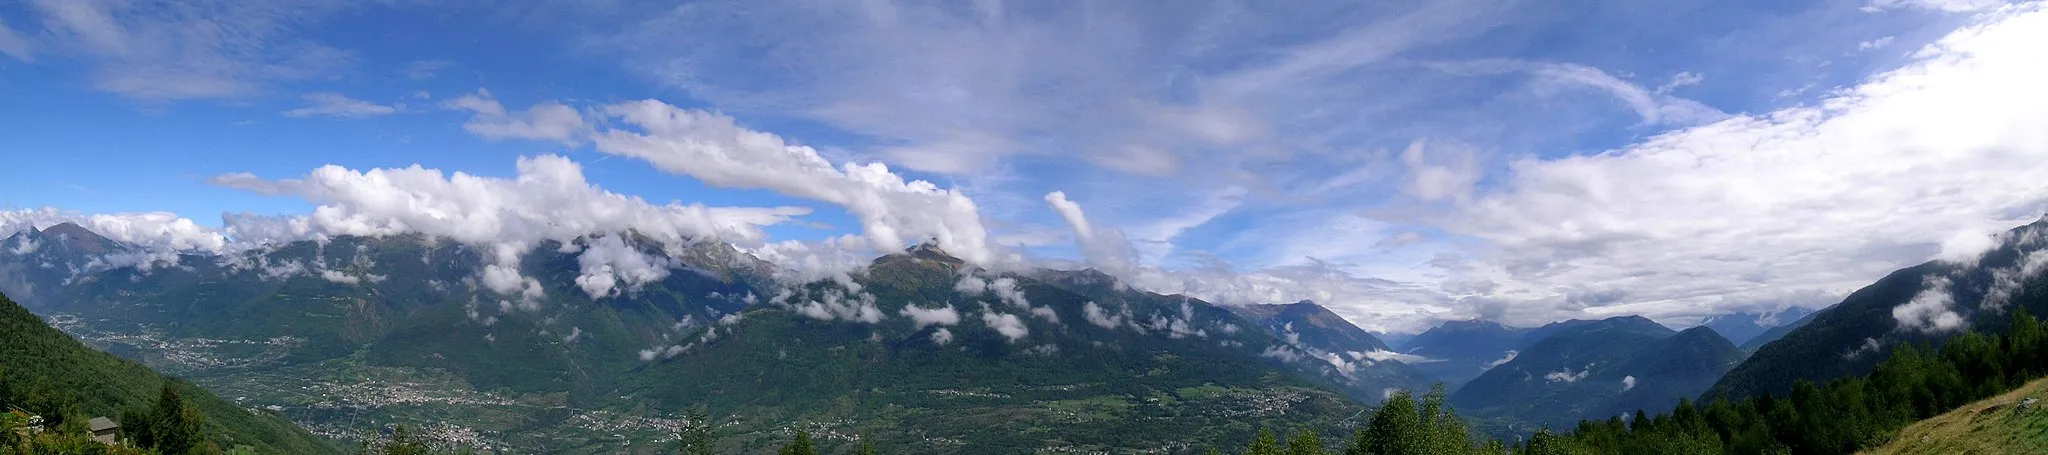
{"x": 104, "y": 430}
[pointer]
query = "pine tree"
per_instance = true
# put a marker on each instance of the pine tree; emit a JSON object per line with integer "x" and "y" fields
{"x": 1396, "y": 429}
{"x": 1266, "y": 444}
{"x": 175, "y": 426}
{"x": 403, "y": 442}
{"x": 1305, "y": 442}
{"x": 799, "y": 446}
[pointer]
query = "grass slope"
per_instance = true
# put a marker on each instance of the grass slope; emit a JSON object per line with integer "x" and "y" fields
{"x": 1991, "y": 426}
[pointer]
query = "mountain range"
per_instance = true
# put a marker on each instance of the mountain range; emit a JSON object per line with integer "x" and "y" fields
{"x": 1598, "y": 369}
{"x": 920, "y": 350}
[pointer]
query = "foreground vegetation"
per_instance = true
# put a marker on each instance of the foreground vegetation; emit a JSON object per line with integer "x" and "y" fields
{"x": 1997, "y": 425}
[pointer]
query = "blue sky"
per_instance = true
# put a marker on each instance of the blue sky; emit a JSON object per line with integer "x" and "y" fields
{"x": 1402, "y": 162}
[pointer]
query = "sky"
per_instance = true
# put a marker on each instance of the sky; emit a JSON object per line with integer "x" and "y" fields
{"x": 1403, "y": 163}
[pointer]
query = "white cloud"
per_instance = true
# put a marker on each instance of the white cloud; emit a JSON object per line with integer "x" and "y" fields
{"x": 1385, "y": 355}
{"x": 575, "y": 333}
{"x": 1095, "y": 315}
{"x": 1628, "y": 383}
{"x": 546, "y": 121}
{"x": 608, "y": 260}
{"x": 942, "y": 336}
{"x": 1930, "y": 311}
{"x": 1870, "y": 345}
{"x": 152, "y": 230}
{"x": 338, "y": 277}
{"x": 2006, "y": 282}
{"x": 894, "y": 212}
{"x": 1682, "y": 79}
{"x": 549, "y": 200}
{"x": 1814, "y": 198}
{"x": 1965, "y": 247}
{"x": 921, "y": 317}
{"x": 1510, "y": 357}
{"x": 1431, "y": 182}
{"x": 1875, "y": 44}
{"x": 835, "y": 305}
{"x": 1568, "y": 376}
{"x": 1009, "y": 325}
{"x": 338, "y": 105}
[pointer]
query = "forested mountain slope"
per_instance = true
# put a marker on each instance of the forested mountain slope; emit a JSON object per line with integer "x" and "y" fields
{"x": 1927, "y": 303}
{"x": 46, "y": 372}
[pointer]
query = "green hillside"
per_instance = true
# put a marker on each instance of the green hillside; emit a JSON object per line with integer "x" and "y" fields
{"x": 46, "y": 372}
{"x": 1995, "y": 425}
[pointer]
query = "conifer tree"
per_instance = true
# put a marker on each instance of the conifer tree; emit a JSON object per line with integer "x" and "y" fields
{"x": 174, "y": 425}
{"x": 1266, "y": 444}
{"x": 799, "y": 446}
{"x": 1305, "y": 442}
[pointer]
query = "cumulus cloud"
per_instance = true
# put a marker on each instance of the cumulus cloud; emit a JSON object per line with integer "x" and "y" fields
{"x": 1009, "y": 325}
{"x": 894, "y": 212}
{"x": 1966, "y": 247}
{"x": 921, "y": 317}
{"x": 1095, "y": 315}
{"x": 607, "y": 261}
{"x": 1568, "y": 376}
{"x": 152, "y": 230}
{"x": 942, "y": 336}
{"x": 834, "y": 304}
{"x": 1628, "y": 383}
{"x": 1930, "y": 311}
{"x": 338, "y": 105}
{"x": 548, "y": 200}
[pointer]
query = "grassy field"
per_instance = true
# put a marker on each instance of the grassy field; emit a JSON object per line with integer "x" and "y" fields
{"x": 1992, "y": 426}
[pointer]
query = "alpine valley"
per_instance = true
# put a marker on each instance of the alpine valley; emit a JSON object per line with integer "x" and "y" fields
{"x": 919, "y": 351}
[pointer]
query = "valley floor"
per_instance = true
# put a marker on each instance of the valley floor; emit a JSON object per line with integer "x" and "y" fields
{"x": 1992, "y": 426}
